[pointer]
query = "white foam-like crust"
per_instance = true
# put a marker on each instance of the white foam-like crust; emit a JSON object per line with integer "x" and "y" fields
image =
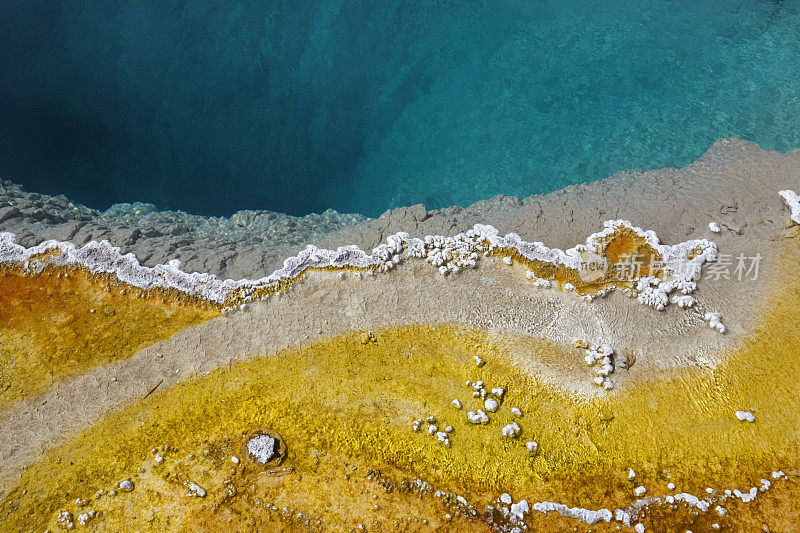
{"x": 626, "y": 516}
{"x": 587, "y": 516}
{"x": 793, "y": 201}
{"x": 449, "y": 254}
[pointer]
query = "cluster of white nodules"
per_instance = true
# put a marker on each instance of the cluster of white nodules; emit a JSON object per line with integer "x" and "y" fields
{"x": 390, "y": 254}
{"x": 490, "y": 404}
{"x": 513, "y": 513}
{"x": 793, "y": 201}
{"x": 657, "y": 293}
{"x": 715, "y": 321}
{"x": 600, "y": 357}
{"x": 450, "y": 254}
{"x": 479, "y": 389}
{"x": 443, "y": 436}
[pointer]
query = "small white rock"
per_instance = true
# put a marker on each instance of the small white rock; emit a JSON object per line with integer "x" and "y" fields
{"x": 491, "y": 405}
{"x": 507, "y": 260}
{"x": 456, "y": 403}
{"x": 639, "y": 491}
{"x": 745, "y": 416}
{"x": 196, "y": 490}
{"x": 511, "y": 430}
{"x": 506, "y": 498}
{"x": 516, "y": 412}
{"x": 713, "y": 226}
{"x": 479, "y": 417}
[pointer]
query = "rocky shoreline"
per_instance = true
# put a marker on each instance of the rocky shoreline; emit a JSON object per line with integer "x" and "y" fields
{"x": 734, "y": 183}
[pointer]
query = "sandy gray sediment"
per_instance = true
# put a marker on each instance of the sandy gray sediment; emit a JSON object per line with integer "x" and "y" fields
{"x": 735, "y": 184}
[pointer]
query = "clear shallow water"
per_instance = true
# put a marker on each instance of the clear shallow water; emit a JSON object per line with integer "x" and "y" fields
{"x": 301, "y": 106}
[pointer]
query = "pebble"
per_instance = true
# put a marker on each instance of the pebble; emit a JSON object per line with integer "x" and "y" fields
{"x": 262, "y": 447}
{"x": 511, "y": 430}
{"x": 491, "y": 405}
{"x": 479, "y": 417}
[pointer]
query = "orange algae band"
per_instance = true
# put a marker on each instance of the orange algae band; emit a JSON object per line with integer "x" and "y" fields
{"x": 449, "y": 254}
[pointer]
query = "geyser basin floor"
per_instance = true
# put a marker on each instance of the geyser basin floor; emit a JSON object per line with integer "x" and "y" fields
{"x": 345, "y": 406}
{"x": 319, "y": 381}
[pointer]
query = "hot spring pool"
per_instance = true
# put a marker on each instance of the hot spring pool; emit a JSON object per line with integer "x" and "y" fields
{"x": 302, "y": 106}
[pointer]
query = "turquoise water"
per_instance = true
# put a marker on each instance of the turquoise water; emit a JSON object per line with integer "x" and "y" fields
{"x": 364, "y": 106}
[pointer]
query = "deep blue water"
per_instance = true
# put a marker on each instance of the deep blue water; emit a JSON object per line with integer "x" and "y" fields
{"x": 298, "y": 106}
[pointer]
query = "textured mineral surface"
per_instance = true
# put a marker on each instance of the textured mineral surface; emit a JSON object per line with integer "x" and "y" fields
{"x": 455, "y": 378}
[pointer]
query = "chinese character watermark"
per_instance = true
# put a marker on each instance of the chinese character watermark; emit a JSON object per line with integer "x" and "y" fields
{"x": 597, "y": 269}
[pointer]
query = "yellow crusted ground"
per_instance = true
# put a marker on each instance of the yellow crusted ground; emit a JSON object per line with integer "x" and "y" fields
{"x": 54, "y": 327}
{"x": 622, "y": 247}
{"x": 345, "y": 410}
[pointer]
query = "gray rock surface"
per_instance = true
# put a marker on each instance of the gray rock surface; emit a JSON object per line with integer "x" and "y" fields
{"x": 248, "y": 242}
